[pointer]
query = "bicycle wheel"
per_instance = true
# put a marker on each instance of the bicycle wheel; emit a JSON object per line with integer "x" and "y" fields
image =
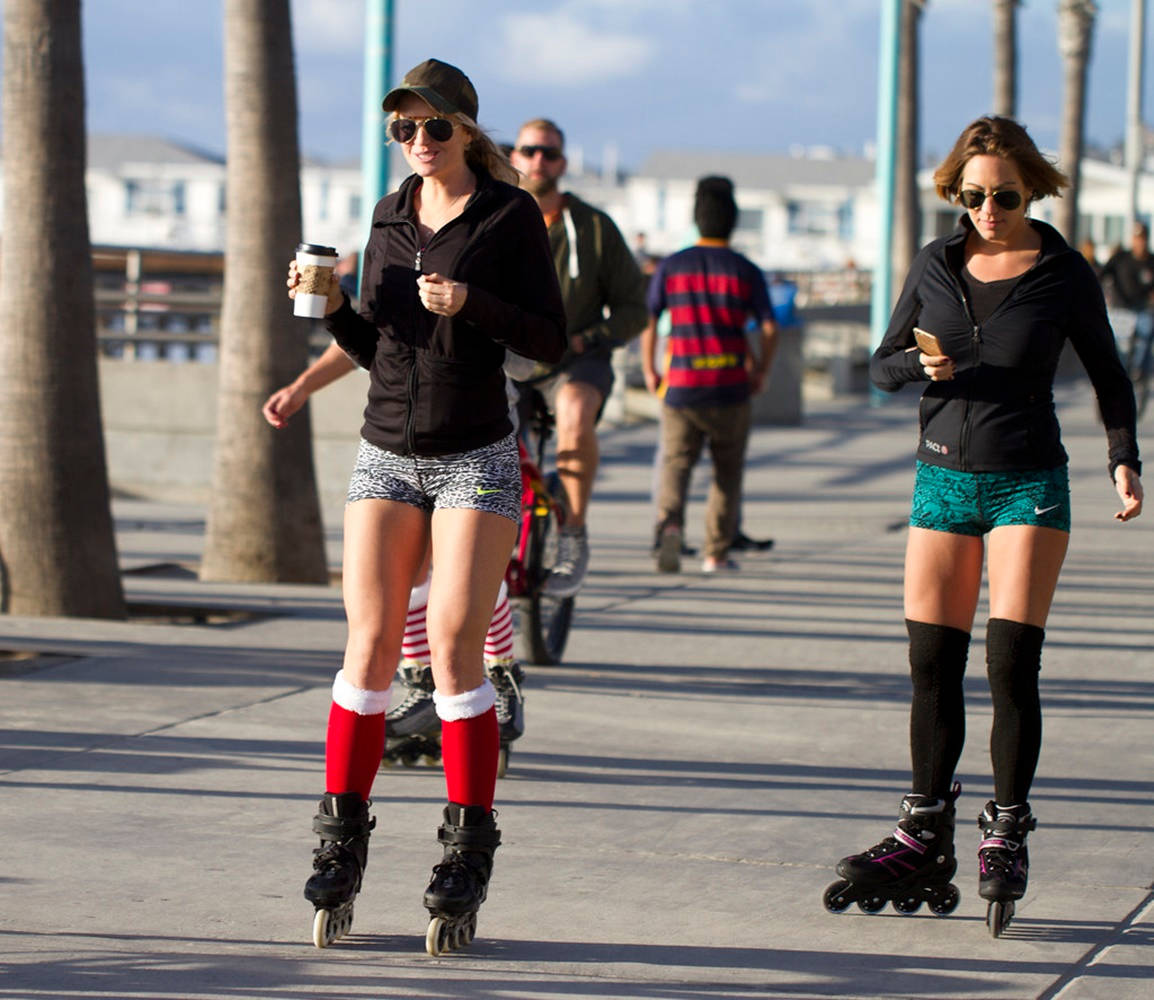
{"x": 543, "y": 621}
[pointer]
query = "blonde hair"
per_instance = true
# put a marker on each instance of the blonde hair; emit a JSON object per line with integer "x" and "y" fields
{"x": 481, "y": 152}
{"x": 545, "y": 125}
{"x": 1004, "y": 138}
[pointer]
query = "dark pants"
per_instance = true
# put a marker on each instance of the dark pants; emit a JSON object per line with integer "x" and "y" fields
{"x": 684, "y": 431}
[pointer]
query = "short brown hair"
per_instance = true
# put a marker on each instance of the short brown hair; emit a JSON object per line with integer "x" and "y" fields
{"x": 1003, "y": 137}
{"x": 547, "y": 125}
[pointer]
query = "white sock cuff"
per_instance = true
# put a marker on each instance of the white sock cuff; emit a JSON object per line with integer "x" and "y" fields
{"x": 419, "y": 596}
{"x": 455, "y": 707}
{"x": 502, "y": 595}
{"x": 355, "y": 699}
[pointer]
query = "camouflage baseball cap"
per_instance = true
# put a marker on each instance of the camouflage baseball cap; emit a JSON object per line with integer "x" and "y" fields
{"x": 441, "y": 86}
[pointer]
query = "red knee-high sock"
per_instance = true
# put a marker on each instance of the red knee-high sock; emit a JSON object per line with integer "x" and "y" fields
{"x": 469, "y": 750}
{"x": 355, "y": 739}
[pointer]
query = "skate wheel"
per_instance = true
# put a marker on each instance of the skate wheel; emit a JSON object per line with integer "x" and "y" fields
{"x": 469, "y": 930}
{"x": 998, "y": 916}
{"x": 907, "y": 904}
{"x": 871, "y": 904}
{"x": 386, "y": 764}
{"x": 502, "y": 762}
{"x": 436, "y": 937}
{"x": 321, "y": 929}
{"x": 948, "y": 901}
{"x": 837, "y": 897}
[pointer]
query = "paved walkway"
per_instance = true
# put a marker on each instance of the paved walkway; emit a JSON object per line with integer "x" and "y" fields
{"x": 690, "y": 775}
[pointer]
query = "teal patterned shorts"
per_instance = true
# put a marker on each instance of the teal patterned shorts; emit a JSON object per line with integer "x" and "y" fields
{"x": 971, "y": 503}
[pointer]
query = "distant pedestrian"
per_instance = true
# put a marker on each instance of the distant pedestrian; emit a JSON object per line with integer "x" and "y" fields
{"x": 711, "y": 292}
{"x": 1129, "y": 278}
{"x": 1002, "y": 296}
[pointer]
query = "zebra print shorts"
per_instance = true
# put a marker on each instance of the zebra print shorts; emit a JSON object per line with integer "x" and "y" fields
{"x": 486, "y": 479}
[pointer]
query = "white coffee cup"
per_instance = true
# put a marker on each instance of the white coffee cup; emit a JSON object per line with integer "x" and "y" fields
{"x": 315, "y": 266}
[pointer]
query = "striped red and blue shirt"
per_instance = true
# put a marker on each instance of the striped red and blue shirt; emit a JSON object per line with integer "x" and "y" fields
{"x": 712, "y": 294}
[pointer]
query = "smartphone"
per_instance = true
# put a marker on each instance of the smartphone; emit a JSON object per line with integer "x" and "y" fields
{"x": 928, "y": 343}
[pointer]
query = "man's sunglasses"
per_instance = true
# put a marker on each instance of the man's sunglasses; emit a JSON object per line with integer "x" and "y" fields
{"x": 404, "y": 130}
{"x": 551, "y": 153}
{"x": 973, "y": 198}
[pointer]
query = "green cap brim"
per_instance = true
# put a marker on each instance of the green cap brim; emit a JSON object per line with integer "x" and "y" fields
{"x": 429, "y": 96}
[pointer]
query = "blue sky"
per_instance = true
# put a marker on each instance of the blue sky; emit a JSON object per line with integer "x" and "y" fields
{"x": 751, "y": 75}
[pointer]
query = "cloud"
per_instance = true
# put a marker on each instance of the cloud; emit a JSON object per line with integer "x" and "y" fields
{"x": 560, "y": 49}
{"x": 328, "y": 26}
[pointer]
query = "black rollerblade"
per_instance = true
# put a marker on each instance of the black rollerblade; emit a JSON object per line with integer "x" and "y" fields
{"x": 1003, "y": 861}
{"x": 412, "y": 728}
{"x": 506, "y": 676}
{"x": 460, "y": 881}
{"x": 913, "y": 865}
{"x": 344, "y": 824}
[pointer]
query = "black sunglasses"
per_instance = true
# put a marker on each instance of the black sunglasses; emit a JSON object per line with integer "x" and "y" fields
{"x": 404, "y": 130}
{"x": 551, "y": 153}
{"x": 973, "y": 198}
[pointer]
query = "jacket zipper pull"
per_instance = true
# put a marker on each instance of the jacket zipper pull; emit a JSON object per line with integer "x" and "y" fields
{"x": 417, "y": 262}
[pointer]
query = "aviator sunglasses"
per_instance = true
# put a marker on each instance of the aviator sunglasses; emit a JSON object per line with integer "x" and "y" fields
{"x": 973, "y": 198}
{"x": 404, "y": 130}
{"x": 551, "y": 153}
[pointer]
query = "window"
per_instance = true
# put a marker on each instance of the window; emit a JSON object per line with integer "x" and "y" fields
{"x": 820, "y": 218}
{"x": 151, "y": 196}
{"x": 750, "y": 220}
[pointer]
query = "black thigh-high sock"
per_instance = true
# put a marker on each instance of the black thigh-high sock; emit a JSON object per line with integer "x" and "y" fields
{"x": 938, "y": 711}
{"x": 1013, "y": 662}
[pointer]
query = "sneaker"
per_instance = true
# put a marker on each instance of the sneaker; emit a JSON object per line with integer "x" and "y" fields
{"x": 723, "y": 565}
{"x": 572, "y": 563}
{"x": 686, "y": 548}
{"x": 669, "y": 550}
{"x": 506, "y": 676}
{"x": 743, "y": 543}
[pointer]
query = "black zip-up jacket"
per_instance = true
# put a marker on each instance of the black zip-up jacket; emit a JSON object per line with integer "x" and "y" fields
{"x": 436, "y": 383}
{"x": 997, "y": 413}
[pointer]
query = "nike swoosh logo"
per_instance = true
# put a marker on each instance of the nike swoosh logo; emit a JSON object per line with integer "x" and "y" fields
{"x": 484, "y": 493}
{"x": 1039, "y": 511}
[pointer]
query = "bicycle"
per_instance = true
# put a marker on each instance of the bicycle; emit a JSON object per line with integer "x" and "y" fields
{"x": 543, "y": 621}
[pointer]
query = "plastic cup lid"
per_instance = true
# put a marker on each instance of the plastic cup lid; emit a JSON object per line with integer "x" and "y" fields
{"x": 317, "y": 249}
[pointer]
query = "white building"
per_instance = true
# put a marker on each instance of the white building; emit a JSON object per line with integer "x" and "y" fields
{"x": 799, "y": 211}
{"x": 148, "y": 191}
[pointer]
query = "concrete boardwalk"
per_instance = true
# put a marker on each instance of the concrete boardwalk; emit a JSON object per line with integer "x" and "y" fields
{"x": 709, "y": 749}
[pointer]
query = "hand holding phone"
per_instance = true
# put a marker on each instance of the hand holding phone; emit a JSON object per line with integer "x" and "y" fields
{"x": 928, "y": 343}
{"x": 941, "y": 370}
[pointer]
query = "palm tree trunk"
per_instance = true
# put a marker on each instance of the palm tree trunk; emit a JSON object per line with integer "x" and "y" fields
{"x": 264, "y": 520}
{"x": 1075, "y": 35}
{"x": 1006, "y": 58}
{"x": 907, "y": 201}
{"x": 57, "y": 542}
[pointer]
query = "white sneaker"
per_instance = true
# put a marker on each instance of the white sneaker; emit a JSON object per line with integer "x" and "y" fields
{"x": 724, "y": 565}
{"x": 572, "y": 563}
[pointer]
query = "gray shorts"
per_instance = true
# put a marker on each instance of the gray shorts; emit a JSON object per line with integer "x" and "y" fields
{"x": 486, "y": 479}
{"x": 596, "y": 371}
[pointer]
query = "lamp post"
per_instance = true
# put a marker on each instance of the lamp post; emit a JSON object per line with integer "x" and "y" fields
{"x": 378, "y": 75}
{"x": 1135, "y": 146}
{"x": 880, "y": 294}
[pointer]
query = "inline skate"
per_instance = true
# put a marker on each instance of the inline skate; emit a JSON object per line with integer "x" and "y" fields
{"x": 460, "y": 880}
{"x": 1003, "y": 861}
{"x": 344, "y": 825}
{"x": 913, "y": 865}
{"x": 506, "y": 676}
{"x": 412, "y": 728}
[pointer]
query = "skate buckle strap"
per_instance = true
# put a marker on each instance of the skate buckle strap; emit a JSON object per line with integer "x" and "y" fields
{"x": 467, "y": 837}
{"x": 343, "y": 827}
{"x": 912, "y": 843}
{"x": 998, "y": 843}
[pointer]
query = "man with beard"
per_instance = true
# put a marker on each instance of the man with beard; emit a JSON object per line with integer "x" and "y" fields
{"x": 604, "y": 295}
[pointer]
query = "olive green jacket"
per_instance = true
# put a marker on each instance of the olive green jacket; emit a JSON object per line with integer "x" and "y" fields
{"x": 604, "y": 276}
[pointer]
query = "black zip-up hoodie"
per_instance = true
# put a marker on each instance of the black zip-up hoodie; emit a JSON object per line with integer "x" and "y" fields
{"x": 997, "y": 413}
{"x": 436, "y": 383}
